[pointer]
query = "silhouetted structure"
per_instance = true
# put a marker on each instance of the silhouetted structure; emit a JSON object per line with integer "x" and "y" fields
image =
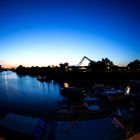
{"x": 104, "y": 69}
{"x": 83, "y": 60}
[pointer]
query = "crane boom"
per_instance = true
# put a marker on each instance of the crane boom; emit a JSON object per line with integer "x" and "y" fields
{"x": 83, "y": 60}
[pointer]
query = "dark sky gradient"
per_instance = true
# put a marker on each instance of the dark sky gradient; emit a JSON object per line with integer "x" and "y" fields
{"x": 41, "y": 32}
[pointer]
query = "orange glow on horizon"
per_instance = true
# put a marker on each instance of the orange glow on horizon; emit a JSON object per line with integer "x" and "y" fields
{"x": 24, "y": 65}
{"x": 12, "y": 65}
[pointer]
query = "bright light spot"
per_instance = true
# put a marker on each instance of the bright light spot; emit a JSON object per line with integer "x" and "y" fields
{"x": 66, "y": 85}
{"x": 128, "y": 90}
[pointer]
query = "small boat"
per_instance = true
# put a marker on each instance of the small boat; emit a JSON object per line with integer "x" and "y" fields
{"x": 72, "y": 92}
{"x": 76, "y": 105}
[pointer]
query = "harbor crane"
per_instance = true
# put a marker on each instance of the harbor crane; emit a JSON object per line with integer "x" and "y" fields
{"x": 83, "y": 60}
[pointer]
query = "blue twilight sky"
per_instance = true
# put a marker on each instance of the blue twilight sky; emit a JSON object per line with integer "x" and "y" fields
{"x": 41, "y": 32}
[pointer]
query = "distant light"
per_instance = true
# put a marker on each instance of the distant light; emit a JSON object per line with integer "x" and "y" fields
{"x": 127, "y": 90}
{"x": 66, "y": 84}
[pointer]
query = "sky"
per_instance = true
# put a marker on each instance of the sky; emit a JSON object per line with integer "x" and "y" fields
{"x": 50, "y": 32}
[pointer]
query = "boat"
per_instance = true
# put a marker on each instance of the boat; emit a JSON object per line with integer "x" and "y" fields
{"x": 72, "y": 93}
{"x": 77, "y": 104}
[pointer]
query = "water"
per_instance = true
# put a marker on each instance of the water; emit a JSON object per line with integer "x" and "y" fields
{"x": 27, "y": 95}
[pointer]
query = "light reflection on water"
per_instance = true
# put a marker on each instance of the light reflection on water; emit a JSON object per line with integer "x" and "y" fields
{"x": 25, "y": 94}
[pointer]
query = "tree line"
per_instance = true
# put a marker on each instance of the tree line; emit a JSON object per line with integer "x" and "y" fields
{"x": 104, "y": 65}
{"x": 107, "y": 65}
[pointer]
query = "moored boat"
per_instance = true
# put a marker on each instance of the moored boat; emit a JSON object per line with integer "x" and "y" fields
{"x": 73, "y": 93}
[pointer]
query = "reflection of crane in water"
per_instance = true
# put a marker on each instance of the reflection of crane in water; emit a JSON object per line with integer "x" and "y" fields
{"x": 83, "y": 60}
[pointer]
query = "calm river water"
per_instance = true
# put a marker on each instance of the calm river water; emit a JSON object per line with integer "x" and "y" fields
{"x": 27, "y": 95}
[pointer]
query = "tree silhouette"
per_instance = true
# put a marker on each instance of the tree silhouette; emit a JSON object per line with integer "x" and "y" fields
{"x": 104, "y": 65}
{"x": 0, "y": 68}
{"x": 64, "y": 66}
{"x": 108, "y": 64}
{"x": 135, "y": 65}
{"x": 21, "y": 70}
{"x": 92, "y": 66}
{"x": 20, "y": 67}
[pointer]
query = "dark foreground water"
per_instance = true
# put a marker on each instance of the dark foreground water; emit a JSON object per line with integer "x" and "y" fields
{"x": 27, "y": 95}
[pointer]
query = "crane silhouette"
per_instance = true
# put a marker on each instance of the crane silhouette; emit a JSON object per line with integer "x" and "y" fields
{"x": 79, "y": 64}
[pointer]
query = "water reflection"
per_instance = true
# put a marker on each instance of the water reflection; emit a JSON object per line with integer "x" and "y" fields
{"x": 5, "y": 81}
{"x": 26, "y": 94}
